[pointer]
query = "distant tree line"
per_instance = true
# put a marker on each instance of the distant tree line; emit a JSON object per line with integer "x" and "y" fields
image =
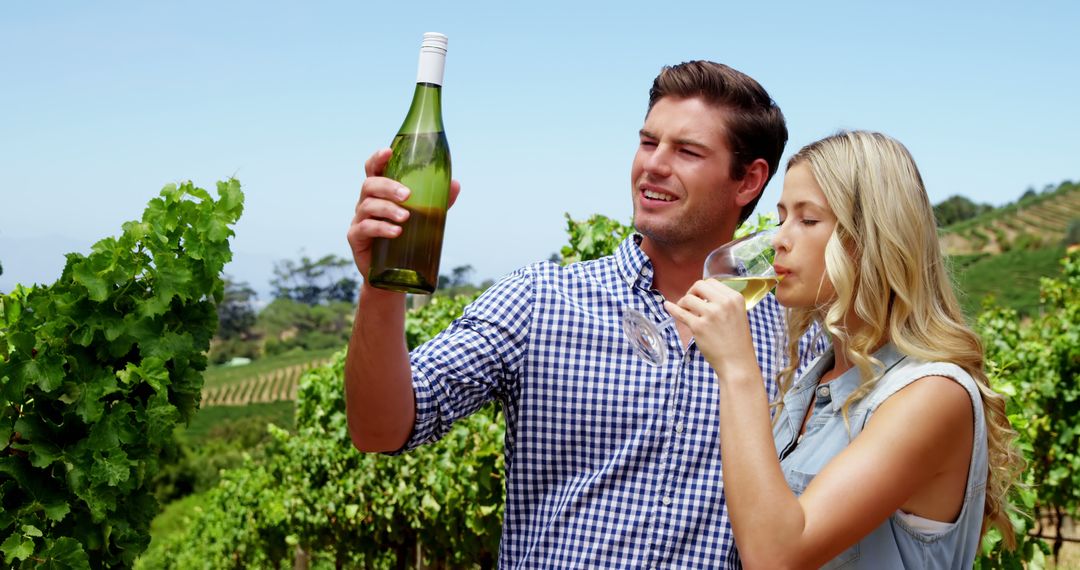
{"x": 957, "y": 209}
{"x": 314, "y": 301}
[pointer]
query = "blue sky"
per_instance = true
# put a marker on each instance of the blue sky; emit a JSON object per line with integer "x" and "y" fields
{"x": 101, "y": 104}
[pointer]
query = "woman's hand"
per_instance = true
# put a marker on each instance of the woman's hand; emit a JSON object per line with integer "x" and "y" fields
{"x": 716, "y": 314}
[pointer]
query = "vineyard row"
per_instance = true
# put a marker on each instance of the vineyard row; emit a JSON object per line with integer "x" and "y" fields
{"x": 274, "y": 386}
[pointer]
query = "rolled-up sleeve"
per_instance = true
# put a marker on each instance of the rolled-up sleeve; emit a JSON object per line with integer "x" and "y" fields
{"x": 476, "y": 359}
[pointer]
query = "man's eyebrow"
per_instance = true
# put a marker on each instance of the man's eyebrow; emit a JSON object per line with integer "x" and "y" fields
{"x": 691, "y": 142}
{"x": 681, "y": 142}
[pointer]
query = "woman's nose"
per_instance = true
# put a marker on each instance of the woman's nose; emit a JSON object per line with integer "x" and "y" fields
{"x": 779, "y": 239}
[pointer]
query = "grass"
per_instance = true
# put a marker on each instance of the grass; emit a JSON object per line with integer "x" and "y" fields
{"x": 222, "y": 375}
{"x": 172, "y": 521}
{"x": 1012, "y": 278}
{"x": 210, "y": 421}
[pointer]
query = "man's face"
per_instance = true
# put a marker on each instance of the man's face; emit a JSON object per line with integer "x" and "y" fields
{"x": 682, "y": 189}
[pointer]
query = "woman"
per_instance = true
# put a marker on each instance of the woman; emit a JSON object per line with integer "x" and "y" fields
{"x": 894, "y": 452}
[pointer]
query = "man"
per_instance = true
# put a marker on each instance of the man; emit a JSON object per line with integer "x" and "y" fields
{"x": 611, "y": 463}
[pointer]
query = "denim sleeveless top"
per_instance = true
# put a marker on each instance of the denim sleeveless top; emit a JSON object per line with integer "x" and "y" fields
{"x": 895, "y": 543}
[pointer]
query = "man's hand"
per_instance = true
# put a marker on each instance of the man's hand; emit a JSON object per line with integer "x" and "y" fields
{"x": 379, "y": 211}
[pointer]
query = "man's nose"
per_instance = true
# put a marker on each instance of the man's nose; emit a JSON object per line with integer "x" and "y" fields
{"x": 658, "y": 162}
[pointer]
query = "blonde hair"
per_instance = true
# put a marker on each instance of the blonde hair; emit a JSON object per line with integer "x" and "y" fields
{"x": 885, "y": 263}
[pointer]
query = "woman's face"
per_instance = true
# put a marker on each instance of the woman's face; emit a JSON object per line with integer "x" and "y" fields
{"x": 806, "y": 224}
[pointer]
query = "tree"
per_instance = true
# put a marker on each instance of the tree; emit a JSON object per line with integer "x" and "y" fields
{"x": 287, "y": 324}
{"x": 236, "y": 315}
{"x": 459, "y": 282}
{"x": 315, "y": 282}
{"x": 1072, "y": 235}
{"x": 957, "y": 209}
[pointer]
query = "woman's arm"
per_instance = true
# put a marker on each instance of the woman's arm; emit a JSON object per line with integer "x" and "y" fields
{"x": 911, "y": 439}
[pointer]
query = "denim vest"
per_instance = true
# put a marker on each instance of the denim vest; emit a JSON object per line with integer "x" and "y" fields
{"x": 893, "y": 544}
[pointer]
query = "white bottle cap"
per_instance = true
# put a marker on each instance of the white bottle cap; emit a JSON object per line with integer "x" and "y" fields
{"x": 432, "y": 58}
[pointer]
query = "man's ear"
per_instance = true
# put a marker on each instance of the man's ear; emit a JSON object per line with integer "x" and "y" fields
{"x": 753, "y": 182}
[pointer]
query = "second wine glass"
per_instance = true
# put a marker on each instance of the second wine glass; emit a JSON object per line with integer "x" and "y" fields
{"x": 744, "y": 264}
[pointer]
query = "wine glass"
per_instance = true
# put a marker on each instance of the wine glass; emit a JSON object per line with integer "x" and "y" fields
{"x": 744, "y": 264}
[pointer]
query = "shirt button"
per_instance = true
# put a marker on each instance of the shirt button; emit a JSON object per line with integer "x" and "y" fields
{"x": 666, "y": 501}
{"x": 823, "y": 392}
{"x": 678, "y": 427}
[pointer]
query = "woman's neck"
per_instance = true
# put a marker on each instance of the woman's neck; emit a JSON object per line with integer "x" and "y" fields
{"x": 841, "y": 362}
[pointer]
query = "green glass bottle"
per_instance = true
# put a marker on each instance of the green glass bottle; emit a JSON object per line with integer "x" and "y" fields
{"x": 409, "y": 263}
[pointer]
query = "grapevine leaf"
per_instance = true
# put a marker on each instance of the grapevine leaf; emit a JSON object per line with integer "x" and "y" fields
{"x": 22, "y": 341}
{"x": 167, "y": 344}
{"x": 44, "y": 454}
{"x": 96, "y": 286}
{"x": 17, "y": 547}
{"x": 89, "y": 403}
{"x": 172, "y": 193}
{"x": 83, "y": 336}
{"x": 65, "y": 553}
{"x": 46, "y": 372}
{"x": 152, "y": 307}
{"x": 111, "y": 468}
{"x": 136, "y": 231}
{"x": 161, "y": 417}
{"x": 215, "y": 227}
{"x": 232, "y": 198}
{"x": 153, "y": 372}
{"x": 103, "y": 435}
{"x": 57, "y": 510}
{"x": 6, "y": 518}
{"x": 6, "y": 431}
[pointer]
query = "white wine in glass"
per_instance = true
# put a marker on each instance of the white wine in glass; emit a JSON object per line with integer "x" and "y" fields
{"x": 753, "y": 289}
{"x": 744, "y": 264}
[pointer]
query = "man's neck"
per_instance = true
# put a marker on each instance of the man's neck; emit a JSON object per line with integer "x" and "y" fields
{"x": 675, "y": 269}
{"x": 673, "y": 274}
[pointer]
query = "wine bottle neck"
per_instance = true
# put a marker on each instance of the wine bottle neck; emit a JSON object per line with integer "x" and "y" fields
{"x": 432, "y": 63}
{"x": 425, "y": 112}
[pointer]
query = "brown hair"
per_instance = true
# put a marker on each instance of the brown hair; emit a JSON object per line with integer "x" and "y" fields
{"x": 755, "y": 125}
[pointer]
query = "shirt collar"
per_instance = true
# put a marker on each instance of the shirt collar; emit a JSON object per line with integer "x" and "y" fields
{"x": 634, "y": 266}
{"x": 842, "y": 386}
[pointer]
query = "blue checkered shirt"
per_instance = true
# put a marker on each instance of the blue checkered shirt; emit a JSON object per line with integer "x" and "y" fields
{"x": 611, "y": 462}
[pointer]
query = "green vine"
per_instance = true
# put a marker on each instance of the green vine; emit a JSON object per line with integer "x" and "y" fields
{"x": 96, "y": 370}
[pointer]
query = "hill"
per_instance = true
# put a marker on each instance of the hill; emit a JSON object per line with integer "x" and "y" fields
{"x": 1033, "y": 222}
{"x": 1003, "y": 252}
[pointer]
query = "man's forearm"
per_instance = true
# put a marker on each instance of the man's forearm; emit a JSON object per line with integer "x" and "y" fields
{"x": 378, "y": 380}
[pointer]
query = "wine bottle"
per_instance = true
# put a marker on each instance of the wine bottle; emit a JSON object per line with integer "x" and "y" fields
{"x": 409, "y": 263}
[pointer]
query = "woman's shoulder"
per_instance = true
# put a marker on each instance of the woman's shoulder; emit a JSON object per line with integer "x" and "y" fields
{"x": 913, "y": 384}
{"x": 910, "y": 370}
{"x": 933, "y": 394}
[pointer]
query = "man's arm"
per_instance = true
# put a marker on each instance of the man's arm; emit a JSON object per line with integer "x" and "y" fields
{"x": 378, "y": 378}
